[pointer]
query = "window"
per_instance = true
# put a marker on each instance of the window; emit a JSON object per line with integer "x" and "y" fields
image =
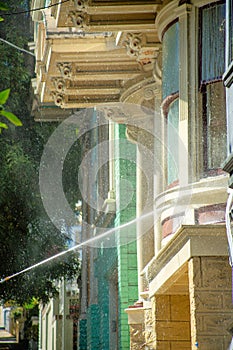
{"x": 172, "y": 141}
{"x": 170, "y": 61}
{"x": 212, "y": 42}
{"x": 229, "y": 27}
{"x": 170, "y": 104}
{"x": 228, "y": 76}
{"x": 214, "y": 126}
{"x": 212, "y": 54}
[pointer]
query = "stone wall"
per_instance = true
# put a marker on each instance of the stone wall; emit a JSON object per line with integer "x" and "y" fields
{"x": 211, "y": 302}
{"x": 172, "y": 322}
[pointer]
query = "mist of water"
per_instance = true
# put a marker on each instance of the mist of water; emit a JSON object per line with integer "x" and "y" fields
{"x": 79, "y": 245}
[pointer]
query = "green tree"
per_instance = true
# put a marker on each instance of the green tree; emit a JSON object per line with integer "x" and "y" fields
{"x": 3, "y": 7}
{"x": 26, "y": 233}
{"x": 4, "y": 95}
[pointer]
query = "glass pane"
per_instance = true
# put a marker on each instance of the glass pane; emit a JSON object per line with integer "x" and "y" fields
{"x": 213, "y": 42}
{"x": 171, "y": 60}
{"x": 230, "y": 30}
{"x": 216, "y": 125}
{"x": 230, "y": 119}
{"x": 172, "y": 144}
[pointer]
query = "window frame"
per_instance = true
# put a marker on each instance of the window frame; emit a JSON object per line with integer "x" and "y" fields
{"x": 228, "y": 75}
{"x": 203, "y": 87}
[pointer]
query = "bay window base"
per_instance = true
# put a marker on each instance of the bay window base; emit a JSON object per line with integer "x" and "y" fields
{"x": 188, "y": 304}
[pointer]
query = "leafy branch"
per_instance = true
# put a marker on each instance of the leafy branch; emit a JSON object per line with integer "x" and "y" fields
{"x": 10, "y": 116}
{"x": 3, "y": 7}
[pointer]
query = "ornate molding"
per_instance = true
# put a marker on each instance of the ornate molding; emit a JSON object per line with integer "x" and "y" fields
{"x": 133, "y": 43}
{"x": 59, "y": 99}
{"x": 141, "y": 46}
{"x": 132, "y": 133}
{"x": 157, "y": 71}
{"x": 129, "y": 114}
{"x": 136, "y": 336}
{"x": 110, "y": 14}
{"x": 81, "y": 5}
{"x": 79, "y": 19}
{"x": 150, "y": 335}
{"x": 59, "y": 84}
{"x": 65, "y": 69}
{"x": 143, "y": 92}
{"x": 115, "y": 114}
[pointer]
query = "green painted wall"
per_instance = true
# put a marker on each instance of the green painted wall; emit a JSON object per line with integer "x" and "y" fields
{"x": 82, "y": 334}
{"x": 105, "y": 267}
{"x": 125, "y": 169}
{"x": 93, "y": 327}
{"x": 116, "y": 265}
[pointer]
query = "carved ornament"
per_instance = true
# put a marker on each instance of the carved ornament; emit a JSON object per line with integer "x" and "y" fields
{"x": 59, "y": 85}
{"x": 136, "y": 335}
{"x": 157, "y": 71}
{"x": 80, "y": 5}
{"x": 133, "y": 44}
{"x": 138, "y": 46}
{"x": 65, "y": 69}
{"x": 78, "y": 19}
{"x": 59, "y": 99}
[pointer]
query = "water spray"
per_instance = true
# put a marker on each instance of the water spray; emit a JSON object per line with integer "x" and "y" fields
{"x": 77, "y": 246}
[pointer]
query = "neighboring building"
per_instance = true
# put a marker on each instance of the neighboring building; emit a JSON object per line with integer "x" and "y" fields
{"x": 58, "y": 319}
{"x": 109, "y": 266}
{"x": 155, "y": 69}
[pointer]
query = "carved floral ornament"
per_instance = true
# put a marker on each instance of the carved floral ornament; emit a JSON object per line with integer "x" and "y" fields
{"x": 59, "y": 99}
{"x": 143, "y": 338}
{"x": 133, "y": 44}
{"x": 59, "y": 84}
{"x": 137, "y": 46}
{"x": 78, "y": 19}
{"x": 126, "y": 114}
{"x": 65, "y": 69}
{"x": 81, "y": 5}
{"x": 137, "y": 334}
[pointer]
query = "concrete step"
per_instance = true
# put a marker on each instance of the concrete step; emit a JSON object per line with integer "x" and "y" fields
{"x": 6, "y": 337}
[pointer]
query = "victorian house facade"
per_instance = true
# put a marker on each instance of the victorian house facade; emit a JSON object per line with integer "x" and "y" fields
{"x": 150, "y": 74}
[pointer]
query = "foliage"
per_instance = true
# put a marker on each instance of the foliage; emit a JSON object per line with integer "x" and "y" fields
{"x": 10, "y": 116}
{"x": 3, "y": 7}
{"x": 27, "y": 234}
{"x": 5, "y": 94}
